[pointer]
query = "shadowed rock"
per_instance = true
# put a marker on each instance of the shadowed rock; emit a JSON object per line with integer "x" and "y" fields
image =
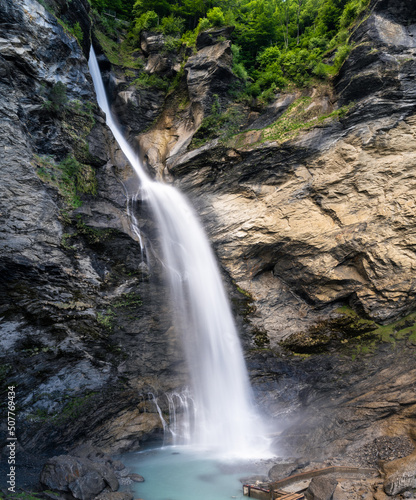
{"x": 81, "y": 476}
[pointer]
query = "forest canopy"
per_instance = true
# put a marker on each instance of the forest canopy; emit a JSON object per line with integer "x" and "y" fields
{"x": 276, "y": 43}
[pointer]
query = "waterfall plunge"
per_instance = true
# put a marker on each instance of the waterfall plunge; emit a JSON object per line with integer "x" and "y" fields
{"x": 225, "y": 421}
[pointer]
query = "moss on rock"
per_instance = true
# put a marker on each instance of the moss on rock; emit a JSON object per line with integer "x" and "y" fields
{"x": 349, "y": 331}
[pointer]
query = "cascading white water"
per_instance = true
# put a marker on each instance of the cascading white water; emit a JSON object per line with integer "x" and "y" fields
{"x": 225, "y": 421}
{"x": 182, "y": 416}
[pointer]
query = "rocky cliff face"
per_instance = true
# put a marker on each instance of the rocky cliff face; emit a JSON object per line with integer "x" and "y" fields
{"x": 326, "y": 217}
{"x": 79, "y": 330}
{"x": 314, "y": 232}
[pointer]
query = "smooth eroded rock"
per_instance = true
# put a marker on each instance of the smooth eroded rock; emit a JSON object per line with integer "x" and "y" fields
{"x": 137, "y": 478}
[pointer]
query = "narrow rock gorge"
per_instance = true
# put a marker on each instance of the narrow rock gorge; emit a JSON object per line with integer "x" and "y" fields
{"x": 313, "y": 228}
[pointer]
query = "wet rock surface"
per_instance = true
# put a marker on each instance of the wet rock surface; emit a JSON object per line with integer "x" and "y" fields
{"x": 81, "y": 477}
{"x": 85, "y": 473}
{"x": 137, "y": 478}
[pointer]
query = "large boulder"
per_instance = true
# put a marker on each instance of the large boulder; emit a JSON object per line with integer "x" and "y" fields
{"x": 280, "y": 471}
{"x": 81, "y": 476}
{"x": 87, "y": 486}
{"x": 151, "y": 42}
{"x": 321, "y": 488}
{"x": 400, "y": 475}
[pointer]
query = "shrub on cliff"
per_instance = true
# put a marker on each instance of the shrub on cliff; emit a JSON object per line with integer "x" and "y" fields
{"x": 57, "y": 98}
{"x": 216, "y": 16}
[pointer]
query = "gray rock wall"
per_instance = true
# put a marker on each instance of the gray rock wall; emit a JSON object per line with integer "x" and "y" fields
{"x": 84, "y": 333}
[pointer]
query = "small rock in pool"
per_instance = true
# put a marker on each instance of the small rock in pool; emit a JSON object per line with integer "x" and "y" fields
{"x": 137, "y": 478}
{"x": 117, "y": 465}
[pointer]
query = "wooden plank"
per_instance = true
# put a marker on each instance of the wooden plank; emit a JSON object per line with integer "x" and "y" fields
{"x": 256, "y": 492}
{"x": 280, "y": 493}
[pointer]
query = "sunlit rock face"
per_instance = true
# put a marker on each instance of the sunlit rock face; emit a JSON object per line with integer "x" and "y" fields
{"x": 327, "y": 218}
{"x": 321, "y": 221}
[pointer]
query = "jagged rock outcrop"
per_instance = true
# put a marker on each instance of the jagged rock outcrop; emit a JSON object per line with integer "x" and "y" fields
{"x": 151, "y": 43}
{"x": 138, "y": 103}
{"x": 380, "y": 66}
{"x": 209, "y": 72}
{"x": 207, "y": 79}
{"x": 164, "y": 124}
{"x": 75, "y": 14}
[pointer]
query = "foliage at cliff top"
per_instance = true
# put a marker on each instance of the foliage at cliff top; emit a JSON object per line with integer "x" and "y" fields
{"x": 276, "y": 43}
{"x": 121, "y": 8}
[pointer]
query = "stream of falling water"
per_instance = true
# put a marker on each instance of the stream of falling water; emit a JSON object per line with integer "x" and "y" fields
{"x": 224, "y": 420}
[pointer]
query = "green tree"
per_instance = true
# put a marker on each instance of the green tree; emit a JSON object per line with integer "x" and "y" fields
{"x": 161, "y": 7}
{"x": 172, "y": 25}
{"x": 328, "y": 17}
{"x": 57, "y": 98}
{"x": 122, "y": 8}
{"x": 256, "y": 27}
{"x": 216, "y": 16}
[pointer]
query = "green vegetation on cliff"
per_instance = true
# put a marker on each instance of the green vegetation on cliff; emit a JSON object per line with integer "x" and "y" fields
{"x": 350, "y": 333}
{"x": 69, "y": 177}
{"x": 276, "y": 43}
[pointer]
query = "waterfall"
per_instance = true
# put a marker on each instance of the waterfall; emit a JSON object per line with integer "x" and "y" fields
{"x": 223, "y": 419}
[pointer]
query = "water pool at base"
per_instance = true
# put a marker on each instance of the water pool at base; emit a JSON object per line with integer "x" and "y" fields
{"x": 179, "y": 473}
